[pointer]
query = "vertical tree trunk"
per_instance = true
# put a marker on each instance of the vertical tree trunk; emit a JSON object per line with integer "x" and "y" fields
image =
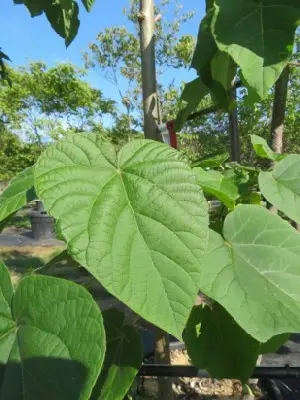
{"x": 234, "y": 132}
{"x": 278, "y": 115}
{"x": 147, "y": 41}
{"x": 151, "y": 121}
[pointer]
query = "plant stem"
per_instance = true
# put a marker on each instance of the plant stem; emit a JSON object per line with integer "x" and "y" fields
{"x": 234, "y": 132}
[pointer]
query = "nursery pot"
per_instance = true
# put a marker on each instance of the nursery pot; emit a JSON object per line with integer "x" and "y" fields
{"x": 42, "y": 224}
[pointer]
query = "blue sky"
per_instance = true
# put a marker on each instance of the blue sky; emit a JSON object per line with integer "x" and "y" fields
{"x": 24, "y": 38}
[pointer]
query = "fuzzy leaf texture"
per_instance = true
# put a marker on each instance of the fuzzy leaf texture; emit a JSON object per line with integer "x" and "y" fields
{"x": 254, "y": 274}
{"x": 258, "y": 35}
{"x": 18, "y": 193}
{"x": 52, "y": 339}
{"x": 123, "y": 358}
{"x": 137, "y": 220}
{"x": 281, "y": 187}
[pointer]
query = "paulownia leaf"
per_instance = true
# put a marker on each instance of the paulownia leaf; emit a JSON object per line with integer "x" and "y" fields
{"x": 18, "y": 193}
{"x": 258, "y": 35}
{"x": 137, "y": 221}
{"x": 88, "y": 4}
{"x": 192, "y": 94}
{"x": 281, "y": 187}
{"x": 254, "y": 274}
{"x": 62, "y": 14}
{"x": 262, "y": 149}
{"x": 215, "y": 342}
{"x": 123, "y": 358}
{"x": 63, "y": 17}
{"x": 52, "y": 339}
{"x": 215, "y": 183}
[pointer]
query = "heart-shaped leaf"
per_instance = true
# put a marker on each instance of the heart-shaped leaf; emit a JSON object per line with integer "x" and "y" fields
{"x": 281, "y": 187}
{"x": 52, "y": 340}
{"x": 137, "y": 221}
{"x": 258, "y": 35}
{"x": 123, "y": 358}
{"x": 254, "y": 274}
{"x": 18, "y": 193}
{"x": 215, "y": 183}
{"x": 215, "y": 342}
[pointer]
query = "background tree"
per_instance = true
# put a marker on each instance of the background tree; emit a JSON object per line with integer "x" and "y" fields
{"x": 48, "y": 102}
{"x": 115, "y": 54}
{"x": 15, "y": 155}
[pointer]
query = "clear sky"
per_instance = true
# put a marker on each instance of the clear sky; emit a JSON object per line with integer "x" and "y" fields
{"x": 24, "y": 38}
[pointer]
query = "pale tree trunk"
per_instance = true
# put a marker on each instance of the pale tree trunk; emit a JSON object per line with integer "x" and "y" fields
{"x": 279, "y": 105}
{"x": 234, "y": 132}
{"x": 278, "y": 115}
{"x": 150, "y": 98}
{"x": 151, "y": 121}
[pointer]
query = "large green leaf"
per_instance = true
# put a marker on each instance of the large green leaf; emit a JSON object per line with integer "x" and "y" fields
{"x": 137, "y": 221}
{"x": 205, "y": 49}
{"x": 52, "y": 339}
{"x": 123, "y": 358}
{"x": 216, "y": 343}
{"x": 262, "y": 149}
{"x": 258, "y": 35}
{"x": 18, "y": 193}
{"x": 254, "y": 274}
{"x": 62, "y": 14}
{"x": 192, "y": 94}
{"x": 281, "y": 187}
{"x": 63, "y": 17}
{"x": 215, "y": 183}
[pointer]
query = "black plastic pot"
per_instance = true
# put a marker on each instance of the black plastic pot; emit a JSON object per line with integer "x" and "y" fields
{"x": 42, "y": 224}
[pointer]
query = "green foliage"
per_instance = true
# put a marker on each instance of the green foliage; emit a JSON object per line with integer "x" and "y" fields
{"x": 215, "y": 183}
{"x": 62, "y": 15}
{"x": 51, "y": 102}
{"x": 215, "y": 342}
{"x": 261, "y": 55}
{"x": 263, "y": 150}
{"x": 15, "y": 155}
{"x": 53, "y": 339}
{"x": 212, "y": 161}
{"x": 192, "y": 94}
{"x": 18, "y": 193}
{"x": 123, "y": 359}
{"x": 173, "y": 239}
{"x": 281, "y": 186}
{"x": 210, "y": 345}
{"x": 254, "y": 272}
